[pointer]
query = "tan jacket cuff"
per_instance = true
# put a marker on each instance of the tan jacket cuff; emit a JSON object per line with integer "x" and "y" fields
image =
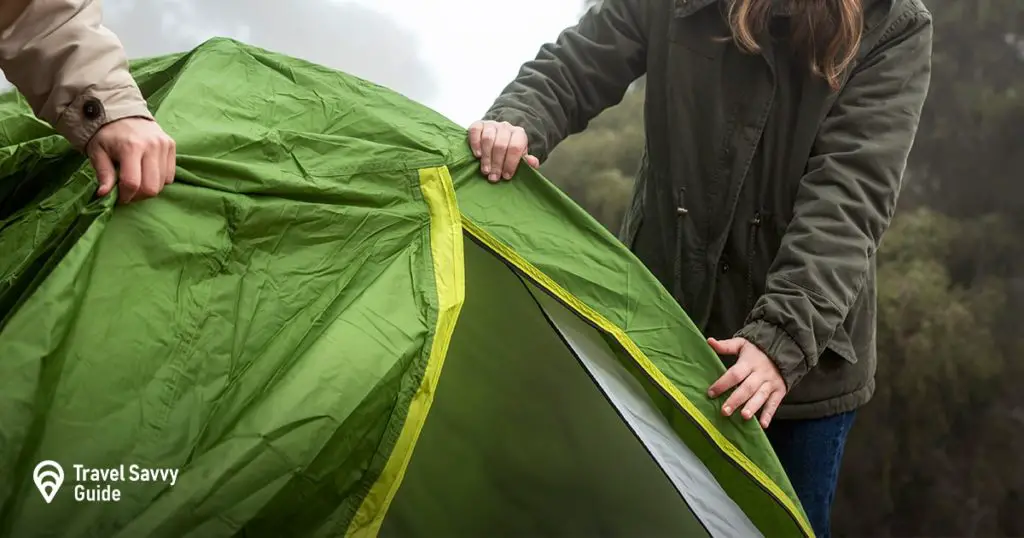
{"x": 93, "y": 109}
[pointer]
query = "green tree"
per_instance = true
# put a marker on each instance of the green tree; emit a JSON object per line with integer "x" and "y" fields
{"x": 935, "y": 453}
{"x": 596, "y": 168}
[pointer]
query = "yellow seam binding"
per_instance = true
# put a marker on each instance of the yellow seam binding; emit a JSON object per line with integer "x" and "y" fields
{"x": 449, "y": 275}
{"x": 645, "y": 363}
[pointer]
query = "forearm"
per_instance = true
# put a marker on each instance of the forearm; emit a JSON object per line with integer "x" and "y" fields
{"x": 586, "y": 70}
{"x": 72, "y": 71}
{"x": 845, "y": 201}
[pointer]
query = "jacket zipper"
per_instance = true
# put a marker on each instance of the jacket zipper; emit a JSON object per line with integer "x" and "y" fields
{"x": 681, "y": 213}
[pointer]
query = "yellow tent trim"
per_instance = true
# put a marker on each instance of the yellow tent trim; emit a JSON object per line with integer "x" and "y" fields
{"x": 449, "y": 275}
{"x": 446, "y": 227}
{"x": 645, "y": 363}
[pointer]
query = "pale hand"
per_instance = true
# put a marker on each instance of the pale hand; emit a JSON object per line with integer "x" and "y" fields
{"x": 499, "y": 146}
{"x": 759, "y": 386}
{"x": 145, "y": 156}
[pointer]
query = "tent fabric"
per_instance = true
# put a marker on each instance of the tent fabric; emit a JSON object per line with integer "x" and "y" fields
{"x": 523, "y": 438}
{"x": 689, "y": 476}
{"x": 310, "y": 325}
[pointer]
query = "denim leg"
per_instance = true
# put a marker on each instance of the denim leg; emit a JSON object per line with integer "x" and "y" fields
{"x": 811, "y": 452}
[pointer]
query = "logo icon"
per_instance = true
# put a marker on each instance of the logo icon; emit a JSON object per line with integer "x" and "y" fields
{"x": 48, "y": 476}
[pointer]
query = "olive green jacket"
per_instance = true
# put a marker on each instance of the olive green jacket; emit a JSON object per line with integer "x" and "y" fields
{"x": 762, "y": 196}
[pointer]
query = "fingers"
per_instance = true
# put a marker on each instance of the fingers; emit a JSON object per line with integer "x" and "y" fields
{"x": 732, "y": 377}
{"x": 487, "y": 138}
{"x": 476, "y": 131}
{"x": 105, "y": 172}
{"x": 516, "y": 150}
{"x": 170, "y": 161}
{"x": 498, "y": 154}
{"x": 130, "y": 182}
{"x": 145, "y": 156}
{"x": 158, "y": 162}
{"x": 757, "y": 391}
{"x": 500, "y": 146}
{"x": 774, "y": 401}
{"x": 757, "y": 381}
{"x": 153, "y": 174}
{"x": 757, "y": 400}
{"x": 732, "y": 346}
{"x": 743, "y": 393}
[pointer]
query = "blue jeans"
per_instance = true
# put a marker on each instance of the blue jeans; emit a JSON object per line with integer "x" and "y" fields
{"x": 811, "y": 452}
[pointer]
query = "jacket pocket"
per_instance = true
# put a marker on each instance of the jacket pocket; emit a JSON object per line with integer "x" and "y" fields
{"x": 842, "y": 345}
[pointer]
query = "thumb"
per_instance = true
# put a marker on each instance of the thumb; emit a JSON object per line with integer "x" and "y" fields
{"x": 532, "y": 161}
{"x": 104, "y": 167}
{"x": 731, "y": 346}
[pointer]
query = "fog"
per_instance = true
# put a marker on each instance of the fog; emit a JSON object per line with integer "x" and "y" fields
{"x": 452, "y": 55}
{"x": 341, "y": 35}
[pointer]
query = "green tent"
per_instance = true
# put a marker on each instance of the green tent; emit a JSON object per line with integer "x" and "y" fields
{"x": 331, "y": 325}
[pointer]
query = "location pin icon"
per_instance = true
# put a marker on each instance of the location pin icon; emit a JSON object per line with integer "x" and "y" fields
{"x": 48, "y": 476}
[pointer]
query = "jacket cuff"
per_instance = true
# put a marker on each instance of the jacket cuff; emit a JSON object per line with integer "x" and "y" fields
{"x": 780, "y": 347}
{"x": 92, "y": 110}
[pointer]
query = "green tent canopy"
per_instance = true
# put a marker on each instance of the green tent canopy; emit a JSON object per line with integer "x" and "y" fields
{"x": 331, "y": 325}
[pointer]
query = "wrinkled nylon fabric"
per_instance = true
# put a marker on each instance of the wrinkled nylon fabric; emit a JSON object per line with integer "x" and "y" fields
{"x": 265, "y": 323}
{"x": 261, "y": 325}
{"x": 763, "y": 499}
{"x": 704, "y": 495}
{"x": 520, "y": 441}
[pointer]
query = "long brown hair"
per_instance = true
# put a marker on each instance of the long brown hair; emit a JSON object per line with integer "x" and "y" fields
{"x": 825, "y": 32}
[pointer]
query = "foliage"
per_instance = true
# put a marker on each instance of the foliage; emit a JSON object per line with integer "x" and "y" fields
{"x": 937, "y": 452}
{"x": 597, "y": 167}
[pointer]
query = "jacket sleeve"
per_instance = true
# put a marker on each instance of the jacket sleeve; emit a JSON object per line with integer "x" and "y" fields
{"x": 71, "y": 69}
{"x": 844, "y": 201}
{"x": 586, "y": 70}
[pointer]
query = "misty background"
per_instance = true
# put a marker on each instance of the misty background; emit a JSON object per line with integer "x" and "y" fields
{"x": 940, "y": 449}
{"x": 418, "y": 48}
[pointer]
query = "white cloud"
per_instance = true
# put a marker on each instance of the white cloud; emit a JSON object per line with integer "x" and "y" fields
{"x": 453, "y": 55}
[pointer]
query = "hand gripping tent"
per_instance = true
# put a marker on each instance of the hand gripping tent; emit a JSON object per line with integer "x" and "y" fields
{"x": 331, "y": 325}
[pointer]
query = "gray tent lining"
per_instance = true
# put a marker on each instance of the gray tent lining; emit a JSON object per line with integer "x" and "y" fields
{"x": 721, "y": 516}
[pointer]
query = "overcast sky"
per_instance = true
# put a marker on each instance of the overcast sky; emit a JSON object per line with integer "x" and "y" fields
{"x": 452, "y": 55}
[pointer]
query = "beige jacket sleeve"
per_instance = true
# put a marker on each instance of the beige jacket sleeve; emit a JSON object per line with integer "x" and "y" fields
{"x": 72, "y": 70}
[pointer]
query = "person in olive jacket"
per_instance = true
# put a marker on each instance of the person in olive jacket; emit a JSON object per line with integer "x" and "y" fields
{"x": 777, "y": 134}
{"x": 74, "y": 74}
